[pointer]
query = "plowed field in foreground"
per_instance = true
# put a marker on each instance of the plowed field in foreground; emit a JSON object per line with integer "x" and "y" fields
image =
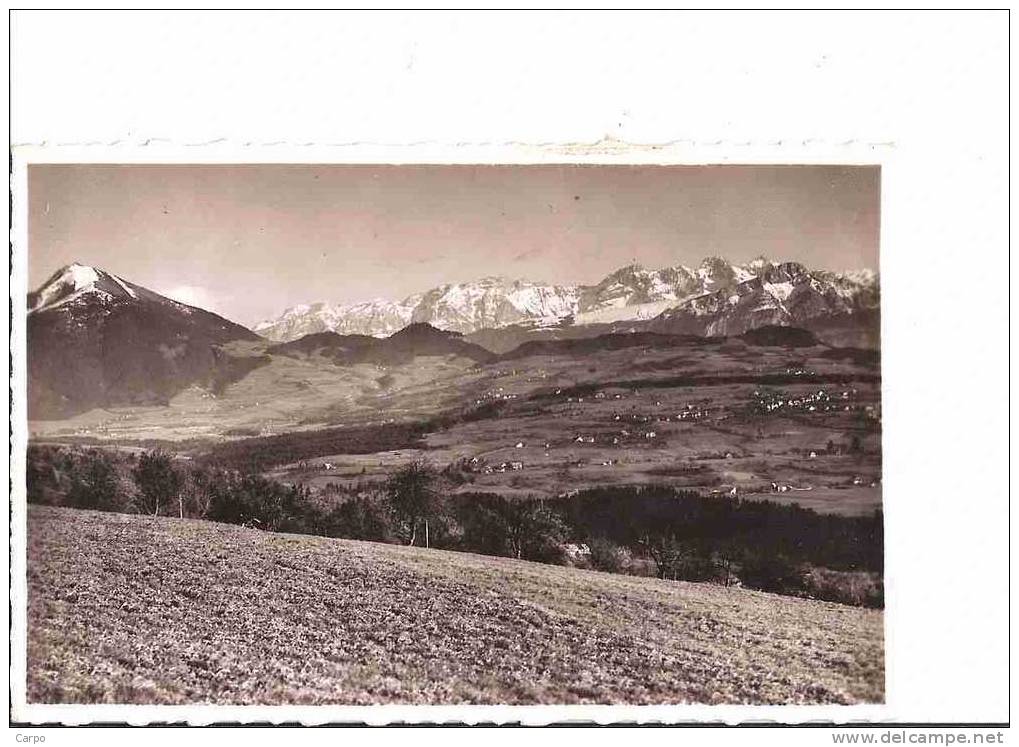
{"x": 131, "y": 609}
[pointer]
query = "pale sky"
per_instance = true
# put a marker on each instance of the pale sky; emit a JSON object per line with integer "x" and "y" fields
{"x": 249, "y": 241}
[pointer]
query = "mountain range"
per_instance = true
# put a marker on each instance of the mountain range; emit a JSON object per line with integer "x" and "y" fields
{"x": 96, "y": 340}
{"x": 716, "y": 297}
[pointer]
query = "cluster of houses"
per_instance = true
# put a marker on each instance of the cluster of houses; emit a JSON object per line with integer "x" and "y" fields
{"x": 513, "y": 466}
{"x": 692, "y": 412}
{"x": 498, "y": 394}
{"x": 731, "y": 491}
{"x": 820, "y": 401}
{"x": 777, "y": 487}
{"x": 864, "y": 481}
{"x": 614, "y": 439}
{"x": 796, "y": 371}
{"x": 480, "y": 465}
{"x": 689, "y": 412}
{"x": 597, "y": 395}
{"x": 635, "y": 417}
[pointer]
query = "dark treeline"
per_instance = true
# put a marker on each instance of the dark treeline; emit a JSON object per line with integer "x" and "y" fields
{"x": 265, "y": 452}
{"x": 720, "y": 522}
{"x": 259, "y": 453}
{"x": 641, "y": 530}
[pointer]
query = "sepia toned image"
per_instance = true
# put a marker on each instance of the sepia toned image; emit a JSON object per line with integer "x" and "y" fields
{"x": 454, "y": 434}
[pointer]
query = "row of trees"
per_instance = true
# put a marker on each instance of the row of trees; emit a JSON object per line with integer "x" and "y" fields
{"x": 641, "y": 530}
{"x": 157, "y": 483}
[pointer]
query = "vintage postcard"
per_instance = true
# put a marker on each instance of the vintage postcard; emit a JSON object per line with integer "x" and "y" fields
{"x": 514, "y": 434}
{"x": 510, "y": 368}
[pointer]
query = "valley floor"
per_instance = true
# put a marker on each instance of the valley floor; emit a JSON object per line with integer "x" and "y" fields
{"x": 133, "y": 609}
{"x": 792, "y": 425}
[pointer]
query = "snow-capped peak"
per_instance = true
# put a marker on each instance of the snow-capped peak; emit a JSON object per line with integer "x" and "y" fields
{"x": 77, "y": 281}
{"x": 64, "y": 285}
{"x": 80, "y": 275}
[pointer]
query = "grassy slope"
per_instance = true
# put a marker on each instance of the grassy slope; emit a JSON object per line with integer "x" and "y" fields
{"x": 138, "y": 609}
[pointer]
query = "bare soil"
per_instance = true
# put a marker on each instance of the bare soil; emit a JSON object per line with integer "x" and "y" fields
{"x": 132, "y": 609}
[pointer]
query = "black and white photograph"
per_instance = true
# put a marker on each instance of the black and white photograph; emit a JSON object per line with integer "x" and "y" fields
{"x": 509, "y": 434}
{"x": 510, "y": 368}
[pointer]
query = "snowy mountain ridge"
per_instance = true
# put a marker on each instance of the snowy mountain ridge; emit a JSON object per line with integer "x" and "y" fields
{"x": 629, "y": 293}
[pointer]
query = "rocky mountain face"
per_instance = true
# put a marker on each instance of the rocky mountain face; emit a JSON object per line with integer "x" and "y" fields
{"x": 785, "y": 294}
{"x": 376, "y": 317}
{"x": 455, "y": 307}
{"x": 716, "y": 297}
{"x": 97, "y": 340}
{"x": 493, "y": 302}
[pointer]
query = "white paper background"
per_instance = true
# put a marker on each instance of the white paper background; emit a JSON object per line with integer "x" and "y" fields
{"x": 926, "y": 95}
